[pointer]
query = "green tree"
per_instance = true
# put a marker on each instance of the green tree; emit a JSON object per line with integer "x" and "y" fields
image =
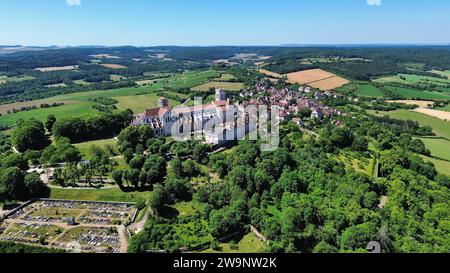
{"x": 12, "y": 183}
{"x": 30, "y": 135}
{"x": 117, "y": 175}
{"x": 158, "y": 199}
{"x": 34, "y": 186}
{"x": 357, "y": 237}
{"x": 51, "y": 120}
{"x": 177, "y": 167}
{"x": 133, "y": 177}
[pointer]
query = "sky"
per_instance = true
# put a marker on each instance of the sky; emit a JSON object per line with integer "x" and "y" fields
{"x": 223, "y": 22}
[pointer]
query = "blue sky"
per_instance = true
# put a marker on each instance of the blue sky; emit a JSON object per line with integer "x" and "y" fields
{"x": 223, "y": 22}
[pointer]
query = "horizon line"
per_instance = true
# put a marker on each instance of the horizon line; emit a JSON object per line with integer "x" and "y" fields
{"x": 231, "y": 45}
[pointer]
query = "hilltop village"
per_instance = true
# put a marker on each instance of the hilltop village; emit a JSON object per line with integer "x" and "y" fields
{"x": 222, "y": 113}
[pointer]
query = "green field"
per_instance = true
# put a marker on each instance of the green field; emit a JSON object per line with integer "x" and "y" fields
{"x": 410, "y": 93}
{"x": 82, "y": 106}
{"x": 248, "y": 244}
{"x": 140, "y": 103}
{"x": 412, "y": 79}
{"x": 85, "y": 147}
{"x": 439, "y": 147}
{"x": 112, "y": 194}
{"x": 81, "y": 82}
{"x": 187, "y": 208}
{"x": 446, "y": 108}
{"x": 440, "y": 128}
{"x": 368, "y": 90}
{"x": 225, "y": 77}
{"x": 442, "y": 166}
{"x": 191, "y": 79}
{"x": 117, "y": 78}
{"x": 4, "y": 79}
{"x": 229, "y": 86}
{"x": 68, "y": 110}
{"x": 439, "y": 92}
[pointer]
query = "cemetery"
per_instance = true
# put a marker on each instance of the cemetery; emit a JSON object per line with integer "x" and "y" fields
{"x": 83, "y": 226}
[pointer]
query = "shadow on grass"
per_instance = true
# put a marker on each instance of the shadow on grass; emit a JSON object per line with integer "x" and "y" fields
{"x": 169, "y": 212}
{"x": 128, "y": 189}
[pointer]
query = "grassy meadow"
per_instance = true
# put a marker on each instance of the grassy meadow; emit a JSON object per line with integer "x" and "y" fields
{"x": 440, "y": 128}
{"x": 410, "y": 93}
{"x": 439, "y": 147}
{"x": 136, "y": 98}
{"x": 438, "y": 91}
{"x": 368, "y": 90}
{"x": 229, "y": 86}
{"x": 110, "y": 194}
{"x": 442, "y": 166}
{"x": 85, "y": 147}
{"x": 410, "y": 78}
{"x": 446, "y": 108}
{"x": 248, "y": 244}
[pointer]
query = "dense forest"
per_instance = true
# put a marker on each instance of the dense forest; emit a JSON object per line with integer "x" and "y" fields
{"x": 304, "y": 200}
{"x": 363, "y": 63}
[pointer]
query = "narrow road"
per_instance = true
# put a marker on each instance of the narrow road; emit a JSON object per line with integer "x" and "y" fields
{"x": 140, "y": 225}
{"x": 123, "y": 239}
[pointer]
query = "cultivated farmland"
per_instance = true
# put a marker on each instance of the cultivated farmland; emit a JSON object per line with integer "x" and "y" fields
{"x": 410, "y": 93}
{"x": 444, "y": 115}
{"x": 104, "y": 56}
{"x": 270, "y": 74}
{"x": 135, "y": 98}
{"x": 113, "y": 66}
{"x": 413, "y": 79}
{"x": 425, "y": 108}
{"x": 57, "y": 68}
{"x": 229, "y": 86}
{"x": 445, "y": 73}
{"x": 4, "y": 108}
{"x": 317, "y": 78}
{"x": 420, "y": 103}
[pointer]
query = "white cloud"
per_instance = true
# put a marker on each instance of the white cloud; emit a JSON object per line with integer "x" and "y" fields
{"x": 73, "y": 2}
{"x": 374, "y": 2}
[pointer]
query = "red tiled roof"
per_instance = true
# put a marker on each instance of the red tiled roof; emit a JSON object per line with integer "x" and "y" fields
{"x": 153, "y": 112}
{"x": 220, "y": 103}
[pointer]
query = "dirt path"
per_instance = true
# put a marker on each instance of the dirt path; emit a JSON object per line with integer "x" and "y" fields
{"x": 139, "y": 226}
{"x": 383, "y": 201}
{"x": 123, "y": 239}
